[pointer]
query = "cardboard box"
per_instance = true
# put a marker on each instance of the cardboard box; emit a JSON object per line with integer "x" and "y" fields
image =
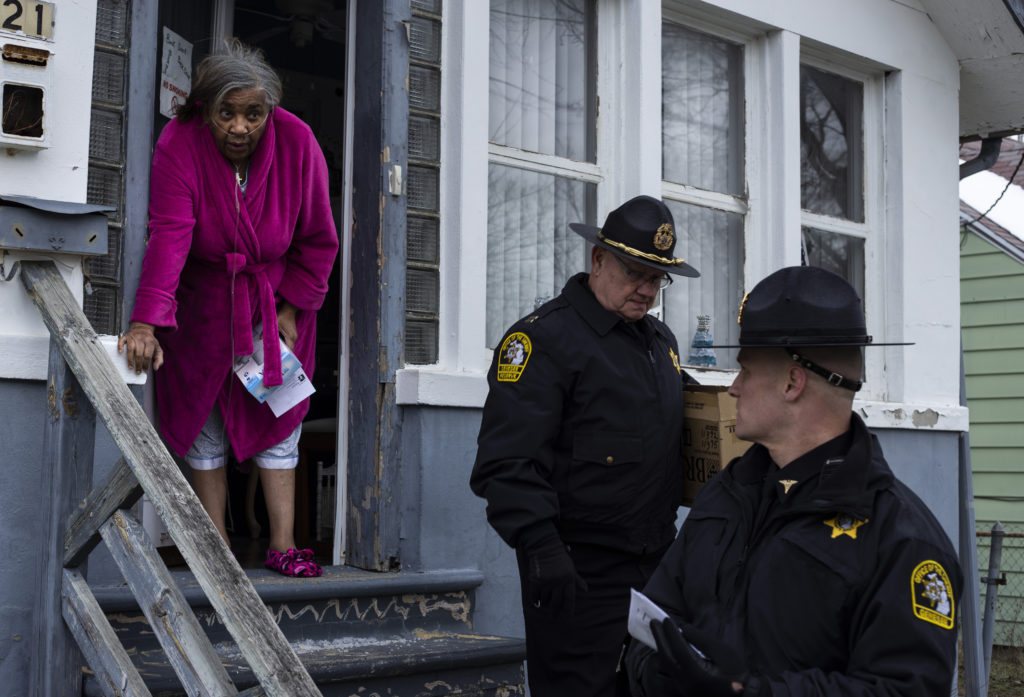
{"x": 709, "y": 435}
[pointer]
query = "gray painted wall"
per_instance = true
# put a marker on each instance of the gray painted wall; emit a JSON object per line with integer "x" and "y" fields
{"x": 22, "y": 418}
{"x": 443, "y": 523}
{"x": 927, "y": 462}
{"x": 22, "y": 506}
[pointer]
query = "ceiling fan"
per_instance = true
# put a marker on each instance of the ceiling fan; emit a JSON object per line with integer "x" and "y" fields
{"x": 301, "y": 19}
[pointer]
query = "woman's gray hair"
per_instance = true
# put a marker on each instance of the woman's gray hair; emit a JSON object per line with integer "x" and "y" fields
{"x": 238, "y": 67}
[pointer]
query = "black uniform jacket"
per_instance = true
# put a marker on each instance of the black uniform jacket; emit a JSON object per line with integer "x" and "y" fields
{"x": 588, "y": 434}
{"x": 845, "y": 585}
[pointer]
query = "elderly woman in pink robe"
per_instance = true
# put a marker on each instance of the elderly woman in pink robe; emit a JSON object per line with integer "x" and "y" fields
{"x": 240, "y": 234}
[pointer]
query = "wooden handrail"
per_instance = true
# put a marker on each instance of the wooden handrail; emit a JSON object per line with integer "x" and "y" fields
{"x": 271, "y": 658}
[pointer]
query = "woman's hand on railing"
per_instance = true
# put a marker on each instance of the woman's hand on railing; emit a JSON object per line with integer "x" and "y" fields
{"x": 141, "y": 347}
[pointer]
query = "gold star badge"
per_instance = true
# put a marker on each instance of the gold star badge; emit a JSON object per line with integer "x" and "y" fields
{"x": 787, "y": 484}
{"x": 844, "y": 524}
{"x": 675, "y": 360}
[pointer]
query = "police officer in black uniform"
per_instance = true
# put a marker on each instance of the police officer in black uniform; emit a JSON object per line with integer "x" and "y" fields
{"x": 579, "y": 453}
{"x": 804, "y": 567}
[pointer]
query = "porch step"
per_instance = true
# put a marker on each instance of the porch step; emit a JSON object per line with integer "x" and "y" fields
{"x": 357, "y": 632}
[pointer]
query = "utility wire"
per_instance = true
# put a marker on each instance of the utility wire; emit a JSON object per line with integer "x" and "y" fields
{"x": 1005, "y": 189}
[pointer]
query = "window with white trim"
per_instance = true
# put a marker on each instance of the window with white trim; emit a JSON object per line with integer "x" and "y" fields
{"x": 703, "y": 179}
{"x": 832, "y": 174}
{"x": 541, "y": 168}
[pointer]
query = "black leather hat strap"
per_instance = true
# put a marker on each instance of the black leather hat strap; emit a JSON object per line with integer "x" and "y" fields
{"x": 832, "y": 378}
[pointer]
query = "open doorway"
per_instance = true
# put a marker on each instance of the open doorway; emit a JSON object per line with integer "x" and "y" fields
{"x": 306, "y": 43}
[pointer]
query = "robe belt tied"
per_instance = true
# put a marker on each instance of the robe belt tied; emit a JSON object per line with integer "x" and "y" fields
{"x": 242, "y": 312}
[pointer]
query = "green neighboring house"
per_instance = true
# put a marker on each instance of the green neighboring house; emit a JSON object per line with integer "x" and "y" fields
{"x": 992, "y": 320}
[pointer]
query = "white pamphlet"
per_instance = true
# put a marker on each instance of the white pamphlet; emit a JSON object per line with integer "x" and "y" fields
{"x": 641, "y": 611}
{"x": 290, "y": 392}
{"x": 295, "y": 384}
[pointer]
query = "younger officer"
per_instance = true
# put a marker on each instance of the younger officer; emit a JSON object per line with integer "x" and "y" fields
{"x": 580, "y": 455}
{"x": 805, "y": 567}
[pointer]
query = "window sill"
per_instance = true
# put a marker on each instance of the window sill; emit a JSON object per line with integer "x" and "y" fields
{"x": 27, "y": 357}
{"x": 432, "y": 387}
{"x": 439, "y": 388}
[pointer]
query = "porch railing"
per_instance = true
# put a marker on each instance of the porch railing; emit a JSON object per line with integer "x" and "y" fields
{"x": 81, "y": 384}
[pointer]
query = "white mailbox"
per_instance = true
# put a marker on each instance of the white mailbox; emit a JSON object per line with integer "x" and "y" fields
{"x": 26, "y": 73}
{"x": 46, "y": 84}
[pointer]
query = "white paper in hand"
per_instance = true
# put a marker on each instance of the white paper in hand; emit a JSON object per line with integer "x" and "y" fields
{"x": 641, "y": 611}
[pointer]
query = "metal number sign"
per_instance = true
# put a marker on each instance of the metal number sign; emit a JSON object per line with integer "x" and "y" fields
{"x": 27, "y": 17}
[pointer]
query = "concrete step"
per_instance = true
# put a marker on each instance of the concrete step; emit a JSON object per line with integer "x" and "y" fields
{"x": 400, "y": 666}
{"x": 357, "y": 632}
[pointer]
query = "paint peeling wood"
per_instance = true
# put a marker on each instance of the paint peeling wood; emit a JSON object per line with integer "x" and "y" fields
{"x": 97, "y": 640}
{"x": 120, "y": 489}
{"x": 272, "y": 659}
{"x": 187, "y": 648}
{"x": 66, "y": 474}
{"x": 378, "y": 289}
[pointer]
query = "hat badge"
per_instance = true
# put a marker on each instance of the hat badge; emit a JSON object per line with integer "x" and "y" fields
{"x": 663, "y": 238}
{"x": 743, "y": 303}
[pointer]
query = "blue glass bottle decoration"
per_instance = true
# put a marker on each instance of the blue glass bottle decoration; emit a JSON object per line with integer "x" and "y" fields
{"x": 701, "y": 352}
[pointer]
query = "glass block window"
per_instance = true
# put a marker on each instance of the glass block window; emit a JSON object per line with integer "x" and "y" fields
{"x": 422, "y": 278}
{"x": 103, "y": 299}
{"x": 703, "y": 153}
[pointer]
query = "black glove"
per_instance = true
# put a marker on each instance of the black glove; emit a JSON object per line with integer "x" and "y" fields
{"x": 551, "y": 579}
{"x": 690, "y": 663}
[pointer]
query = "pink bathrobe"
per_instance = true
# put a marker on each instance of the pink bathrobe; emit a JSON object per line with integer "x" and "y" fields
{"x": 213, "y": 270}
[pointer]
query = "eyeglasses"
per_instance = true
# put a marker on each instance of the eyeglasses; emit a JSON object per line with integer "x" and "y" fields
{"x": 658, "y": 280}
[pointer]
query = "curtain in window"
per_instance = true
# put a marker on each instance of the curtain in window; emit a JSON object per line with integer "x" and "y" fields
{"x": 712, "y": 242}
{"x": 703, "y": 146}
{"x": 701, "y": 110}
{"x": 531, "y": 252}
{"x": 541, "y": 101}
{"x": 540, "y": 87}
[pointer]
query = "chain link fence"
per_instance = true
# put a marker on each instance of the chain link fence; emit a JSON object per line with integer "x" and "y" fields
{"x": 1009, "y": 617}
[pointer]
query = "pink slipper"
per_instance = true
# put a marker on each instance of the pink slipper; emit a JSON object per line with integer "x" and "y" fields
{"x": 293, "y": 563}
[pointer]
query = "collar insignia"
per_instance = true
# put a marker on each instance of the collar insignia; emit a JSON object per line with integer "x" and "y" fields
{"x": 743, "y": 303}
{"x": 932, "y": 594}
{"x": 675, "y": 360}
{"x": 664, "y": 237}
{"x": 844, "y": 524}
{"x": 787, "y": 484}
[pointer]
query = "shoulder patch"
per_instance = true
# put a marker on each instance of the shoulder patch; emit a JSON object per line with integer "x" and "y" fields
{"x": 932, "y": 594}
{"x": 512, "y": 358}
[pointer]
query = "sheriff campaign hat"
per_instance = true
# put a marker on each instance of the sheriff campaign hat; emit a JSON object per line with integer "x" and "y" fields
{"x": 804, "y": 306}
{"x": 640, "y": 229}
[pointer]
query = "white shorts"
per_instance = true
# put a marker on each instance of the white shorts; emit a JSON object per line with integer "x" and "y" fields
{"x": 210, "y": 449}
